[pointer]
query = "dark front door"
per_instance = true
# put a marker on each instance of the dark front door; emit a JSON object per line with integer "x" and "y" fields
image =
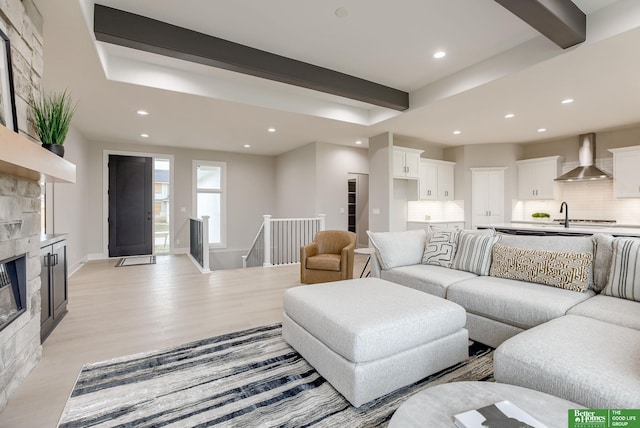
{"x": 130, "y": 205}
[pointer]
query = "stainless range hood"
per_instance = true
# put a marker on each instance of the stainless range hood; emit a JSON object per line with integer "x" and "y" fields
{"x": 587, "y": 157}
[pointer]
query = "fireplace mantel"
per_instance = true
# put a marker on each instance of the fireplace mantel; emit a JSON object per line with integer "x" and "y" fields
{"x": 23, "y": 158}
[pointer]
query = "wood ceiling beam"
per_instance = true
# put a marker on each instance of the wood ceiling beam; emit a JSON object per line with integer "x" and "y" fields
{"x": 146, "y": 34}
{"x": 561, "y": 21}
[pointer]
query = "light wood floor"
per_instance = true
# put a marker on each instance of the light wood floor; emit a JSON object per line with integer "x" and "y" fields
{"x": 125, "y": 310}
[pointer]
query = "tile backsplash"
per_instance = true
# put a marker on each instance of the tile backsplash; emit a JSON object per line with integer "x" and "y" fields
{"x": 590, "y": 200}
{"x": 435, "y": 210}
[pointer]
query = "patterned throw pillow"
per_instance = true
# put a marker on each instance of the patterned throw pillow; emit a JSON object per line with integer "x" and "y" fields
{"x": 624, "y": 278}
{"x": 441, "y": 248}
{"x": 474, "y": 252}
{"x": 560, "y": 269}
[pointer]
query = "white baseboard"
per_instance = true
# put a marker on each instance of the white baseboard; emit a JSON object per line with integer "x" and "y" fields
{"x": 77, "y": 265}
{"x": 180, "y": 251}
{"x": 97, "y": 256}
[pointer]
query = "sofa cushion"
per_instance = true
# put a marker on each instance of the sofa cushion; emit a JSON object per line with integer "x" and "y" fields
{"x": 624, "y": 278}
{"x": 324, "y": 262}
{"x": 398, "y": 248}
{"x": 576, "y": 358}
{"x": 517, "y": 303}
{"x": 602, "y": 260}
{"x": 622, "y": 312}
{"x": 474, "y": 253}
{"x": 428, "y": 278}
{"x": 566, "y": 244}
{"x": 559, "y": 269}
{"x": 441, "y": 248}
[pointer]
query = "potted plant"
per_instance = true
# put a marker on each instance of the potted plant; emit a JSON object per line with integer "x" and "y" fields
{"x": 50, "y": 116}
{"x": 540, "y": 216}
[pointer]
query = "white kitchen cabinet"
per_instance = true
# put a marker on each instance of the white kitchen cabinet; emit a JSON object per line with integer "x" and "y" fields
{"x": 626, "y": 172}
{"x": 487, "y": 205}
{"x": 406, "y": 163}
{"x": 436, "y": 180}
{"x": 536, "y": 178}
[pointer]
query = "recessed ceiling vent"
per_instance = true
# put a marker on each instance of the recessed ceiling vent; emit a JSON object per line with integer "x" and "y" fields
{"x": 587, "y": 158}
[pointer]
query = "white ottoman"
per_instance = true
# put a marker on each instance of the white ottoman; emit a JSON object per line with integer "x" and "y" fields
{"x": 368, "y": 337}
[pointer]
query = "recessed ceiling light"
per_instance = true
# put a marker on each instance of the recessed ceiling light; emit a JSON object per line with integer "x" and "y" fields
{"x": 358, "y": 142}
{"x": 542, "y": 129}
{"x": 456, "y": 132}
{"x": 567, "y": 101}
{"x": 144, "y": 135}
{"x": 509, "y": 115}
{"x": 341, "y": 12}
{"x": 439, "y": 54}
{"x": 246, "y": 146}
{"x": 142, "y": 112}
{"x": 271, "y": 129}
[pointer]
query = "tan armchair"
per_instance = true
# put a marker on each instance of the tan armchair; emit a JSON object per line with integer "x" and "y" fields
{"x": 328, "y": 258}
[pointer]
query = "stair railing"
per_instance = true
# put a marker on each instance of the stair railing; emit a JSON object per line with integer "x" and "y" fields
{"x": 199, "y": 242}
{"x": 279, "y": 240}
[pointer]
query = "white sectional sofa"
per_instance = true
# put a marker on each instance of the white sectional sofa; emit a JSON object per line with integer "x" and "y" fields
{"x": 563, "y": 312}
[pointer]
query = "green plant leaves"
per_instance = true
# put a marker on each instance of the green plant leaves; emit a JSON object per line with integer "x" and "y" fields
{"x": 51, "y": 115}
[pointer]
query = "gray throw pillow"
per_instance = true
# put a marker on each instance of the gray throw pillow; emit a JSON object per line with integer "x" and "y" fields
{"x": 441, "y": 248}
{"x": 474, "y": 252}
{"x": 624, "y": 278}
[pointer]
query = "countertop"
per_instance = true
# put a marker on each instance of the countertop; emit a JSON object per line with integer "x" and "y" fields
{"x": 49, "y": 239}
{"x": 578, "y": 229}
{"x": 435, "y": 221}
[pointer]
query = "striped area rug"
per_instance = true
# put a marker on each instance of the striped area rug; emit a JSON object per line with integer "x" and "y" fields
{"x": 251, "y": 378}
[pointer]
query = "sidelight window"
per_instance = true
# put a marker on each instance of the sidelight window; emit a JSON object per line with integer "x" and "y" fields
{"x": 209, "y": 184}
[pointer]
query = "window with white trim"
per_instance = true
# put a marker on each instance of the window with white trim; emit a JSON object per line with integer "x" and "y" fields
{"x": 209, "y": 198}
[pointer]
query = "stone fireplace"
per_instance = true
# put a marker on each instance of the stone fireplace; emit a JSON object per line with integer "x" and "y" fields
{"x": 13, "y": 289}
{"x": 22, "y": 165}
{"x": 20, "y": 348}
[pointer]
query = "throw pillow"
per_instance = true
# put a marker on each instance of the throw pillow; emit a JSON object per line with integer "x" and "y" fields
{"x": 441, "y": 248}
{"x": 474, "y": 252}
{"x": 603, "y": 250}
{"x": 560, "y": 269}
{"x": 398, "y": 248}
{"x": 624, "y": 278}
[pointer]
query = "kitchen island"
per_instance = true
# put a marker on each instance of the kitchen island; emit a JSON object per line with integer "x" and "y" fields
{"x": 552, "y": 228}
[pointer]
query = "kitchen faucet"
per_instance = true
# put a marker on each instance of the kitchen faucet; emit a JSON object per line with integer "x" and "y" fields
{"x": 566, "y": 213}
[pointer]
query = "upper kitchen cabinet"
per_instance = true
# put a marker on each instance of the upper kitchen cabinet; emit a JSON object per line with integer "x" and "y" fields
{"x": 436, "y": 180}
{"x": 536, "y": 178}
{"x": 626, "y": 172}
{"x": 406, "y": 162}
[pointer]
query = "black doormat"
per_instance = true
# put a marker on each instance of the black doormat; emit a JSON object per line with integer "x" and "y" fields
{"x": 136, "y": 261}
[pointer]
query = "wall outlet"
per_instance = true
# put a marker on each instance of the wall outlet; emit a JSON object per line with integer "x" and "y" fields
{"x": 341, "y": 210}
{"x": 183, "y": 210}
{"x": 376, "y": 211}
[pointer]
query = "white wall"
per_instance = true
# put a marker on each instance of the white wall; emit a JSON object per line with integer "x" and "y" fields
{"x": 380, "y": 181}
{"x": 333, "y": 165}
{"x": 71, "y": 202}
{"x": 312, "y": 180}
{"x": 296, "y": 183}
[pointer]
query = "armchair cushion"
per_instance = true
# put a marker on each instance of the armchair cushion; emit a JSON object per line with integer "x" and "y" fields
{"x": 324, "y": 262}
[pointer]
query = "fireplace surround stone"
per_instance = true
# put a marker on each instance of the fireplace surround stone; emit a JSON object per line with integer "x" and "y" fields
{"x": 20, "y": 348}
